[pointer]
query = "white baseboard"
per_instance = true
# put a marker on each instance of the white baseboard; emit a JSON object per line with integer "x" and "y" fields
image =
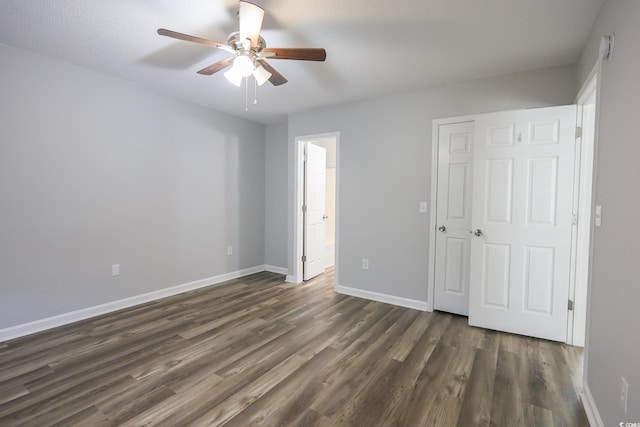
{"x": 590, "y": 407}
{"x": 275, "y": 269}
{"x": 290, "y": 279}
{"x": 86, "y": 313}
{"x": 389, "y": 299}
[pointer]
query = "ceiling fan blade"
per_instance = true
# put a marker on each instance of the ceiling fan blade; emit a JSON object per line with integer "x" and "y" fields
{"x": 276, "y": 78}
{"x": 250, "y": 17}
{"x": 303, "y": 54}
{"x": 187, "y": 37}
{"x": 220, "y": 65}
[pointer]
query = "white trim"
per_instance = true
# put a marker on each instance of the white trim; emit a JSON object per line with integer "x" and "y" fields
{"x": 590, "y": 407}
{"x": 97, "y": 310}
{"x": 388, "y": 299}
{"x": 584, "y": 203}
{"x": 298, "y": 159}
{"x": 431, "y": 280}
{"x": 435, "y": 125}
{"x": 275, "y": 269}
{"x": 590, "y": 84}
{"x": 296, "y": 261}
{"x": 597, "y": 70}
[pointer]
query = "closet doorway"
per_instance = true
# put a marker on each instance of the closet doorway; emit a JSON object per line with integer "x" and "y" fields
{"x": 503, "y": 219}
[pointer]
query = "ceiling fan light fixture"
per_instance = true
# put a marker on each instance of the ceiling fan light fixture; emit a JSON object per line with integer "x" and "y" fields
{"x": 234, "y": 77}
{"x": 243, "y": 65}
{"x": 261, "y": 75}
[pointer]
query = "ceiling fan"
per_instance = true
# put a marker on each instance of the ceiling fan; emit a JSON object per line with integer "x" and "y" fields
{"x": 249, "y": 50}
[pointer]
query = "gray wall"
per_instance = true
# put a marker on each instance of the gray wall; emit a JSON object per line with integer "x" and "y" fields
{"x": 95, "y": 171}
{"x": 385, "y": 167}
{"x": 613, "y": 343}
{"x": 275, "y": 184}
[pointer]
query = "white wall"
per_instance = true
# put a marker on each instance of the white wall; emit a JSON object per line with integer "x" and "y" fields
{"x": 95, "y": 171}
{"x": 613, "y": 339}
{"x": 385, "y": 158}
{"x": 275, "y": 185}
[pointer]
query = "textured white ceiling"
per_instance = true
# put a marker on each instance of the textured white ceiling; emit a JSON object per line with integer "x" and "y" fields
{"x": 374, "y": 47}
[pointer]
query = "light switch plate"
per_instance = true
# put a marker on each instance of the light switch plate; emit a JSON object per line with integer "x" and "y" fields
{"x": 598, "y": 216}
{"x": 423, "y": 207}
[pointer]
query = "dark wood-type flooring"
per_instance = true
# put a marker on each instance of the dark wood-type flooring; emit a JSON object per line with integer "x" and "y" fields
{"x": 258, "y": 351}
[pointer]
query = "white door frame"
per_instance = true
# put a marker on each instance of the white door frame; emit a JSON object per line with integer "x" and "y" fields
{"x": 584, "y": 205}
{"x": 298, "y": 199}
{"x": 581, "y": 297}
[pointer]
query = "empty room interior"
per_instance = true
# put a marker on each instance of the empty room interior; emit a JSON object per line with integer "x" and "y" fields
{"x": 319, "y": 213}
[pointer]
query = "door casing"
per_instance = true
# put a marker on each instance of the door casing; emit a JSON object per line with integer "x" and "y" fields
{"x": 579, "y": 322}
{"x": 295, "y": 262}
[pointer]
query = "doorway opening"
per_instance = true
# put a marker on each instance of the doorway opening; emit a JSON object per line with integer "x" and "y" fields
{"x": 449, "y": 264}
{"x": 308, "y": 242}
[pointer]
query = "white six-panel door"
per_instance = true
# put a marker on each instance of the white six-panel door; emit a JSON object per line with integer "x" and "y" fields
{"x": 314, "y": 206}
{"x": 522, "y": 219}
{"x": 453, "y": 217}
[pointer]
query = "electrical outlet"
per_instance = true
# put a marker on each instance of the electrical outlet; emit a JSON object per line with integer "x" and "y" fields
{"x": 115, "y": 270}
{"x": 229, "y": 250}
{"x": 624, "y": 394}
{"x": 365, "y": 264}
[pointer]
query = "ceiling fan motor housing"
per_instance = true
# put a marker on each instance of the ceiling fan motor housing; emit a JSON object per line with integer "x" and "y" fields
{"x": 245, "y": 45}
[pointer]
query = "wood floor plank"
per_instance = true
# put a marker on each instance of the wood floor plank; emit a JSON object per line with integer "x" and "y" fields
{"x": 410, "y": 337}
{"x": 134, "y": 400}
{"x": 89, "y": 416}
{"x": 242, "y": 401}
{"x": 275, "y": 405}
{"x": 259, "y": 351}
{"x": 477, "y": 402}
{"x": 508, "y": 405}
{"x": 537, "y": 416}
{"x": 12, "y": 391}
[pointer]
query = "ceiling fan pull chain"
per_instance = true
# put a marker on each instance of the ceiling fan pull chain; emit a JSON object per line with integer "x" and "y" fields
{"x": 246, "y": 94}
{"x": 255, "y": 91}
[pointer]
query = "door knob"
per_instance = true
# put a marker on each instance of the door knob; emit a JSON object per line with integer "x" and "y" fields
{"x": 325, "y": 216}
{"x": 478, "y": 232}
{"x": 442, "y": 228}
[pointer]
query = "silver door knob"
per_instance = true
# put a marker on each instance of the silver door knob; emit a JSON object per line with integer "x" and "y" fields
{"x": 325, "y": 216}
{"x": 478, "y": 232}
{"x": 442, "y": 228}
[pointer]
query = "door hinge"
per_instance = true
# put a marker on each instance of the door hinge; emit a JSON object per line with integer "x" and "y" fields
{"x": 570, "y": 306}
{"x": 574, "y": 219}
{"x": 304, "y": 258}
{"x": 578, "y": 132}
{"x": 304, "y": 208}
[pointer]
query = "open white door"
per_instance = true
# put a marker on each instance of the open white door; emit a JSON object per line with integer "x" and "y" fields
{"x": 314, "y": 210}
{"x": 522, "y": 220}
{"x": 453, "y": 217}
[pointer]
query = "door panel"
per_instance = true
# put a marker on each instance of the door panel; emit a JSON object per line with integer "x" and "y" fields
{"x": 499, "y": 191}
{"x": 522, "y": 199}
{"x": 455, "y": 145}
{"x": 542, "y": 190}
{"x": 538, "y": 274}
{"x": 314, "y": 201}
{"x": 455, "y": 268}
{"x": 495, "y": 283}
